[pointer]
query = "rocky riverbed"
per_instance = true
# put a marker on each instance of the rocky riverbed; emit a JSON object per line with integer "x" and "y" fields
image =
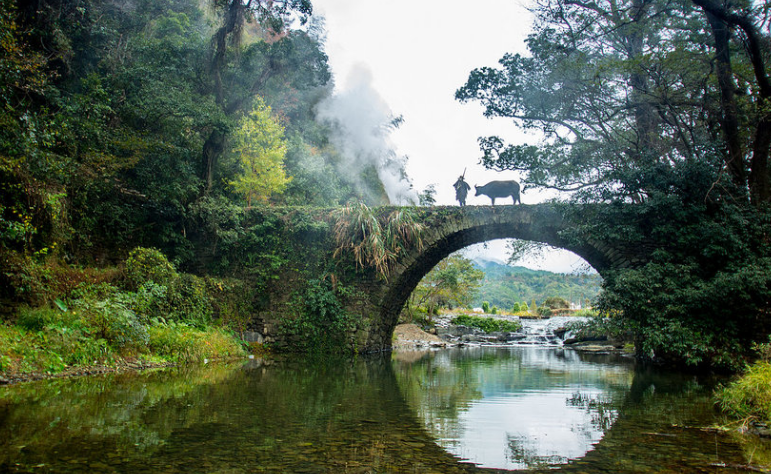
{"x": 547, "y": 332}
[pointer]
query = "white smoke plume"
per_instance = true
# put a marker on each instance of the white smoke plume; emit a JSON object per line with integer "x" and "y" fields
{"x": 361, "y": 124}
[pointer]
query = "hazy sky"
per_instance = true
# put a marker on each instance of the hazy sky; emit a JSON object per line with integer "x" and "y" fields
{"x": 415, "y": 54}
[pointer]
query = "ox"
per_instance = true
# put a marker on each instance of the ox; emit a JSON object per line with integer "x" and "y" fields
{"x": 500, "y": 189}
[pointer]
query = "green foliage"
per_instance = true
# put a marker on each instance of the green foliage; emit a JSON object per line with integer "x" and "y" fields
{"x": 701, "y": 299}
{"x": 324, "y": 326}
{"x": 35, "y": 319}
{"x": 485, "y": 306}
{"x": 749, "y": 397}
{"x": 506, "y": 285}
{"x": 149, "y": 265}
{"x": 453, "y": 282}
{"x": 260, "y": 147}
{"x": 375, "y": 241}
{"x": 487, "y": 325}
{"x": 182, "y": 343}
{"x": 555, "y": 302}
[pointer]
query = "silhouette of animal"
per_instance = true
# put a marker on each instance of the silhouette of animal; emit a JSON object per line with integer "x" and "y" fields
{"x": 500, "y": 189}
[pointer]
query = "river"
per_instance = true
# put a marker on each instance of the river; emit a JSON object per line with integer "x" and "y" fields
{"x": 470, "y": 409}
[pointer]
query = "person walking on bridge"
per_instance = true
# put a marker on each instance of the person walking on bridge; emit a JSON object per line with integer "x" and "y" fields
{"x": 461, "y": 190}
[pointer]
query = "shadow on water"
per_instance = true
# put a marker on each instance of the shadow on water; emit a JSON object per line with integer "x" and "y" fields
{"x": 418, "y": 412}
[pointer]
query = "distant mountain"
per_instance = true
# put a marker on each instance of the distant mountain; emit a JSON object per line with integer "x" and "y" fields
{"x": 505, "y": 285}
{"x": 485, "y": 262}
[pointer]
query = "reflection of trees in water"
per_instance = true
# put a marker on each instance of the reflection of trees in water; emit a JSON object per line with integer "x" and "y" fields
{"x": 601, "y": 408}
{"x": 523, "y": 454}
{"x": 288, "y": 416}
{"x": 442, "y": 386}
{"x": 438, "y": 391}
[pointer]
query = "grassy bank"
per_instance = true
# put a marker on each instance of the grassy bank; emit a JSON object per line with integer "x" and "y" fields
{"x": 748, "y": 398}
{"x": 142, "y": 313}
{"x": 60, "y": 348}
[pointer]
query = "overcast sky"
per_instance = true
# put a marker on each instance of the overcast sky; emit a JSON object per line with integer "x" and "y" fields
{"x": 416, "y": 54}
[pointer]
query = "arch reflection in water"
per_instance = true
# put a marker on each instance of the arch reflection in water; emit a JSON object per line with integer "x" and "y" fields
{"x": 515, "y": 407}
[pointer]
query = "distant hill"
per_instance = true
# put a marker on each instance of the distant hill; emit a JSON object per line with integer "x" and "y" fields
{"x": 504, "y": 285}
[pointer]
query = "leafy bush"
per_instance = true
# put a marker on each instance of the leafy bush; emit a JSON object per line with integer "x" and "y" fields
{"x": 115, "y": 322}
{"x": 324, "y": 325}
{"x": 555, "y": 302}
{"x": 188, "y": 301}
{"x": 144, "y": 265}
{"x": 487, "y": 325}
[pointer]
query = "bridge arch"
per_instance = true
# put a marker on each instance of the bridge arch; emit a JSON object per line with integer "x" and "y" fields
{"x": 449, "y": 229}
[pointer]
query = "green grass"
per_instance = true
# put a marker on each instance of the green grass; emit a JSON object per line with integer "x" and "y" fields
{"x": 55, "y": 341}
{"x": 487, "y": 325}
{"x": 749, "y": 397}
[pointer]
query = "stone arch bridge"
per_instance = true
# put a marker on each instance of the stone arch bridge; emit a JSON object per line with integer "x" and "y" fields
{"x": 447, "y": 229}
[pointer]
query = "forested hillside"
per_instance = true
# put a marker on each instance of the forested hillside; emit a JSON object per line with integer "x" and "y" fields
{"x": 504, "y": 285}
{"x": 134, "y": 123}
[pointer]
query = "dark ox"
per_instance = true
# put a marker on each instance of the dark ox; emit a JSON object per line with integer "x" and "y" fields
{"x": 500, "y": 189}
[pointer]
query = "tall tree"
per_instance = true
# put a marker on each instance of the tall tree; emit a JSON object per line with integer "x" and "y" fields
{"x": 625, "y": 90}
{"x": 278, "y": 50}
{"x": 261, "y": 148}
{"x": 723, "y": 19}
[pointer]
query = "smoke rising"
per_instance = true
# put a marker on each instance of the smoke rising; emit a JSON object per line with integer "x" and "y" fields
{"x": 361, "y": 124}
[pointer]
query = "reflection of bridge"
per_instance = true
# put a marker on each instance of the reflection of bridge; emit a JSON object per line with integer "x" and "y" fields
{"x": 446, "y": 230}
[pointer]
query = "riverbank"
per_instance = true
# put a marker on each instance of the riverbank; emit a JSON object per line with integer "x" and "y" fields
{"x": 82, "y": 371}
{"x": 54, "y": 352}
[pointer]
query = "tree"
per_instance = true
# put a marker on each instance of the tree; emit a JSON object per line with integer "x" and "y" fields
{"x": 452, "y": 282}
{"x": 624, "y": 92}
{"x": 658, "y": 108}
{"x": 260, "y": 147}
{"x": 555, "y": 302}
{"x": 280, "y": 52}
{"x": 428, "y": 196}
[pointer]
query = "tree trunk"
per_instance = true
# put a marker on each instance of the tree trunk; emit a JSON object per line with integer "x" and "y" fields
{"x": 646, "y": 118}
{"x": 730, "y": 118}
{"x": 212, "y": 149}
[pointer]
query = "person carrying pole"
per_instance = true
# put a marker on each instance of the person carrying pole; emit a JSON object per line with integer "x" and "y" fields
{"x": 461, "y": 189}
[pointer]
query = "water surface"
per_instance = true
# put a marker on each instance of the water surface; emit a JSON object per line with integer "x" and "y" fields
{"x": 462, "y": 410}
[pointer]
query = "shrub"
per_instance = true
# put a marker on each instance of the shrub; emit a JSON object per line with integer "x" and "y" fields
{"x": 555, "y": 302}
{"x": 487, "y": 325}
{"x": 146, "y": 264}
{"x": 116, "y": 323}
{"x": 188, "y": 301}
{"x": 485, "y": 306}
{"x": 324, "y": 325}
{"x": 108, "y": 313}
